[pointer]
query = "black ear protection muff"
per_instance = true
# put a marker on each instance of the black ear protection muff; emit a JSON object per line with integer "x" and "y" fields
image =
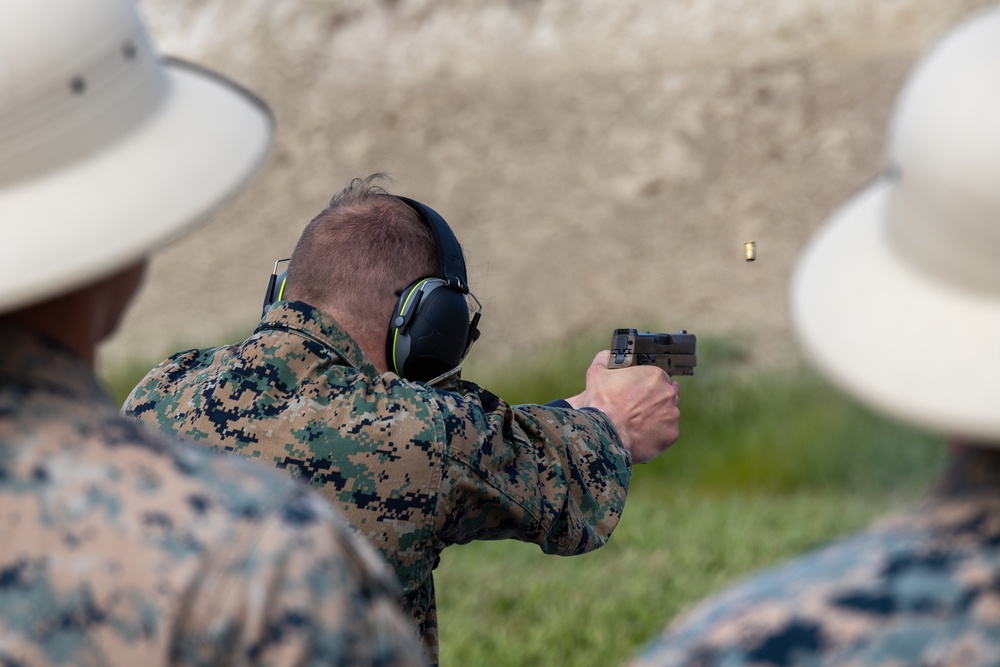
{"x": 431, "y": 329}
{"x": 275, "y": 287}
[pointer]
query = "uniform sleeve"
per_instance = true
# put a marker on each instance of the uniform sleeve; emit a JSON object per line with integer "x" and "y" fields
{"x": 892, "y": 595}
{"x": 302, "y": 591}
{"x": 552, "y": 476}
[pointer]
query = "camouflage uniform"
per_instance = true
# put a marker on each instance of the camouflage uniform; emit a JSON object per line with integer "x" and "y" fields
{"x": 921, "y": 589}
{"x": 123, "y": 548}
{"x": 414, "y": 467}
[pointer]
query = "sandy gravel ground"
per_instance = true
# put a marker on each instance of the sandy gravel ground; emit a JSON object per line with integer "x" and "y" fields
{"x": 602, "y": 161}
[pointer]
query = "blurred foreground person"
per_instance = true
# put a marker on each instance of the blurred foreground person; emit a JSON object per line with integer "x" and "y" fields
{"x": 897, "y": 301}
{"x": 120, "y": 546}
{"x": 352, "y": 382}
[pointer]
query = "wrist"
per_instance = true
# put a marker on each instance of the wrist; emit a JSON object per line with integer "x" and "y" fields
{"x": 578, "y": 401}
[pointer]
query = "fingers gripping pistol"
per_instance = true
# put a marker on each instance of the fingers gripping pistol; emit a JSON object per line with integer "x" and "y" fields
{"x": 673, "y": 352}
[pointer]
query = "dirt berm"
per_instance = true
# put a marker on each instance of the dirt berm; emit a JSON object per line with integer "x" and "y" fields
{"x": 602, "y": 161}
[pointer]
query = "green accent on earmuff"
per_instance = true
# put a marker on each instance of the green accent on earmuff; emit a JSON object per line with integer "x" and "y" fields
{"x": 403, "y": 314}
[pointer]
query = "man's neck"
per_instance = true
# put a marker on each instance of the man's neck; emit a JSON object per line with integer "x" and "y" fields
{"x": 81, "y": 319}
{"x": 971, "y": 468}
{"x": 62, "y": 323}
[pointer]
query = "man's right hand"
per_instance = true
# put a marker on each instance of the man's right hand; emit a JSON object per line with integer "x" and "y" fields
{"x": 641, "y": 402}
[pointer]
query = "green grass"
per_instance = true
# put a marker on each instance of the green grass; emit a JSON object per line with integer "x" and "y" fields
{"x": 506, "y": 603}
{"x": 769, "y": 465}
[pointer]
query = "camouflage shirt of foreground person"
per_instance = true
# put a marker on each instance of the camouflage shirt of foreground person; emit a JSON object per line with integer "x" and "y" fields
{"x": 920, "y": 589}
{"x": 121, "y": 547}
{"x": 414, "y": 467}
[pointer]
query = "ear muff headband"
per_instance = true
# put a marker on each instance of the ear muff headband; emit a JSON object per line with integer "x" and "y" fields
{"x": 452, "y": 264}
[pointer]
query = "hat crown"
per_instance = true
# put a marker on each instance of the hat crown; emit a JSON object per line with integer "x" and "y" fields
{"x": 106, "y": 150}
{"x": 74, "y": 77}
{"x": 944, "y": 157}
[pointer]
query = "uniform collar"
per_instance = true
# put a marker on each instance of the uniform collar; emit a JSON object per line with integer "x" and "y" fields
{"x": 304, "y": 320}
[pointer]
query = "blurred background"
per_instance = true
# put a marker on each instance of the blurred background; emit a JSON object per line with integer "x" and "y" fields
{"x": 602, "y": 161}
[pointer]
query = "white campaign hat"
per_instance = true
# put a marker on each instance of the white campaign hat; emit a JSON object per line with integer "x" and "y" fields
{"x": 106, "y": 150}
{"x": 897, "y": 298}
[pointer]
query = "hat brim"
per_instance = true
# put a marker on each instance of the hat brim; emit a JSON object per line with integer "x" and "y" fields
{"x": 97, "y": 215}
{"x": 917, "y": 349}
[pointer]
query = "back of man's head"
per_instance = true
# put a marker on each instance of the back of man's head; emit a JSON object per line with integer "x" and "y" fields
{"x": 356, "y": 257}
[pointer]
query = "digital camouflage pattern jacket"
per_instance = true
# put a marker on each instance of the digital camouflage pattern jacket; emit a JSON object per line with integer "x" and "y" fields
{"x": 122, "y": 547}
{"x": 918, "y": 589}
{"x": 414, "y": 467}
